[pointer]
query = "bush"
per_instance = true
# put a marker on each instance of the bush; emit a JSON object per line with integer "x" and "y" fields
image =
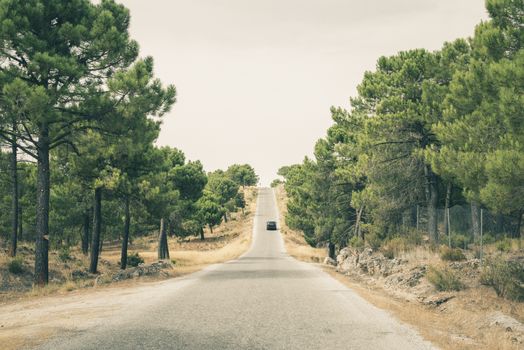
{"x": 356, "y": 242}
{"x": 451, "y": 254}
{"x": 374, "y": 241}
{"x": 275, "y": 183}
{"x": 444, "y": 279}
{"x": 372, "y": 236}
{"x": 488, "y": 238}
{"x": 397, "y": 244}
{"x": 414, "y": 237}
{"x": 15, "y": 266}
{"x": 504, "y": 245}
{"x": 460, "y": 241}
{"x": 64, "y": 254}
{"x": 388, "y": 252}
{"x": 134, "y": 260}
{"x": 506, "y": 277}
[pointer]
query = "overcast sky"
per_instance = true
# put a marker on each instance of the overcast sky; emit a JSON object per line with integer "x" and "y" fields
{"x": 256, "y": 78}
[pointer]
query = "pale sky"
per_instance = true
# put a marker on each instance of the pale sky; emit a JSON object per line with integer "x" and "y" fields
{"x": 256, "y": 78}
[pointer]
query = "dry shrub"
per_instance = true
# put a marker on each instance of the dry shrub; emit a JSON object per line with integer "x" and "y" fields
{"x": 394, "y": 247}
{"x": 506, "y": 277}
{"x": 444, "y": 279}
{"x": 451, "y": 254}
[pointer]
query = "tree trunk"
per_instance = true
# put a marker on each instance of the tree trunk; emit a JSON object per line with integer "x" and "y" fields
{"x": 125, "y": 240}
{"x": 14, "y": 199}
{"x": 42, "y": 209}
{"x": 97, "y": 227}
{"x": 225, "y": 217}
{"x": 331, "y": 250}
{"x": 211, "y": 228}
{"x": 202, "y": 234}
{"x": 85, "y": 235}
{"x": 475, "y": 221}
{"x": 358, "y": 232}
{"x": 446, "y": 209}
{"x": 432, "y": 203}
{"x": 101, "y": 244}
{"x": 20, "y": 224}
{"x": 163, "y": 249}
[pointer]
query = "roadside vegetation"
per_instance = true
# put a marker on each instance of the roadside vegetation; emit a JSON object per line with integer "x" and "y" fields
{"x": 295, "y": 244}
{"x": 69, "y": 266}
{"x": 80, "y": 113}
{"x": 430, "y": 153}
{"x": 417, "y": 191}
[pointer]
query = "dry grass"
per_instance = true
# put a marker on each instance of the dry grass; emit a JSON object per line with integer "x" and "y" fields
{"x": 459, "y": 324}
{"x": 227, "y": 242}
{"x": 294, "y": 241}
{"x": 421, "y": 254}
{"x": 462, "y": 323}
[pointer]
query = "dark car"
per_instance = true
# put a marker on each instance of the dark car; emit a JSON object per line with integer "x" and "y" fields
{"x": 271, "y": 225}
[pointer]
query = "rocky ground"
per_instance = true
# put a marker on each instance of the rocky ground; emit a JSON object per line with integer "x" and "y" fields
{"x": 473, "y": 318}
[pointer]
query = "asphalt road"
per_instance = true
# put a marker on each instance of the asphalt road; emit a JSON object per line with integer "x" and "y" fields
{"x": 263, "y": 300}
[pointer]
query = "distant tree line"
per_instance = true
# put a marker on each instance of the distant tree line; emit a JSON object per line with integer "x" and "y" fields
{"x": 427, "y": 129}
{"x": 79, "y": 116}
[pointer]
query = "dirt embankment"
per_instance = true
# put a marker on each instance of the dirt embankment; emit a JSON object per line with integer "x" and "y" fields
{"x": 474, "y": 317}
{"x": 69, "y": 268}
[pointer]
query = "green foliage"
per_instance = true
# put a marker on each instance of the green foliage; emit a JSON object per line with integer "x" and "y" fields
{"x": 356, "y": 242}
{"x": 504, "y": 245}
{"x": 451, "y": 254}
{"x": 460, "y": 241}
{"x": 482, "y": 140}
{"x": 210, "y": 212}
{"x": 506, "y": 277}
{"x": 422, "y": 124}
{"x": 64, "y": 254}
{"x": 239, "y": 200}
{"x": 444, "y": 279}
{"x": 373, "y": 240}
{"x": 76, "y": 96}
{"x": 221, "y": 188}
{"x": 134, "y": 260}
{"x": 242, "y": 174}
{"x": 16, "y": 266}
{"x": 189, "y": 179}
{"x": 275, "y": 183}
{"x": 488, "y": 238}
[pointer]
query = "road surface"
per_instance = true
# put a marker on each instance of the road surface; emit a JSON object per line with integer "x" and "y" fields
{"x": 263, "y": 300}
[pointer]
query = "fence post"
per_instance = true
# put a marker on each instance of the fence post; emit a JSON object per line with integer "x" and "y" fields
{"x": 481, "y": 233}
